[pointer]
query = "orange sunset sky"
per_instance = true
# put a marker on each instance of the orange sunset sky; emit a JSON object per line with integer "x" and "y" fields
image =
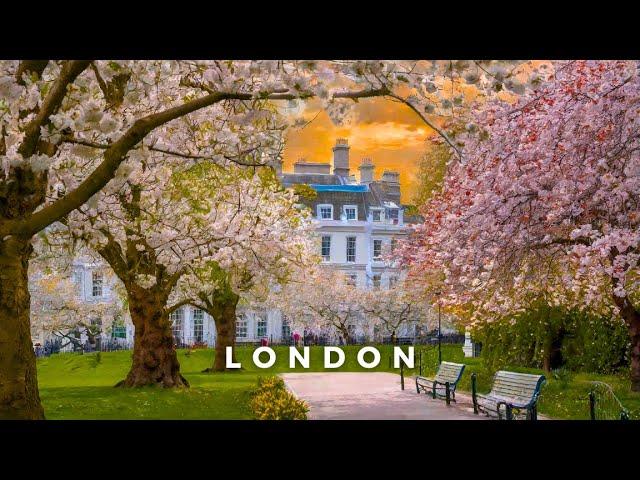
{"x": 386, "y": 131}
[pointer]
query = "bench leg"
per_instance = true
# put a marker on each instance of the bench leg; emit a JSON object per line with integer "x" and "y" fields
{"x": 417, "y": 387}
{"x": 434, "y": 390}
{"x": 473, "y": 393}
{"x": 509, "y": 412}
{"x": 447, "y": 390}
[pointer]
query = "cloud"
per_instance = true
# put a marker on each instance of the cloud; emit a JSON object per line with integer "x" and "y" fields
{"x": 387, "y": 135}
{"x": 388, "y": 132}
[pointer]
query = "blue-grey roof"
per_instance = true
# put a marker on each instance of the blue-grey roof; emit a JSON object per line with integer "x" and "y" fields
{"x": 339, "y": 188}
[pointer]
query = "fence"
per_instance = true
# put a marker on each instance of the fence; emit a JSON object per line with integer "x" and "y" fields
{"x": 59, "y": 345}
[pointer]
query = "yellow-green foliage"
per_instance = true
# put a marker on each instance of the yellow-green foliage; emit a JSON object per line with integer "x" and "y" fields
{"x": 305, "y": 191}
{"x": 272, "y": 401}
{"x": 431, "y": 172}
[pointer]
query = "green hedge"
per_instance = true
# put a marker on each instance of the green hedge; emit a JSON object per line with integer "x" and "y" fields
{"x": 554, "y": 337}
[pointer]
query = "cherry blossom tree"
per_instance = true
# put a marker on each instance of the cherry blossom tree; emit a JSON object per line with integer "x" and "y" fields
{"x": 324, "y": 299}
{"x": 58, "y": 310}
{"x": 546, "y": 202}
{"x": 397, "y": 306}
{"x": 273, "y": 242}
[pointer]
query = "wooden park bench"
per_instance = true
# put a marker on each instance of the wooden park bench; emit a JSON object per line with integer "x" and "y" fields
{"x": 510, "y": 391}
{"x": 444, "y": 384}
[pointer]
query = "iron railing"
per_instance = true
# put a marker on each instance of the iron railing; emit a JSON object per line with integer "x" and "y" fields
{"x": 604, "y": 405}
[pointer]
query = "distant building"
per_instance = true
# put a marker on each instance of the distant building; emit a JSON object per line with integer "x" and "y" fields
{"x": 357, "y": 222}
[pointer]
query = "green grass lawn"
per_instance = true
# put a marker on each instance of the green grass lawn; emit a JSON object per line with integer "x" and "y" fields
{"x": 74, "y": 386}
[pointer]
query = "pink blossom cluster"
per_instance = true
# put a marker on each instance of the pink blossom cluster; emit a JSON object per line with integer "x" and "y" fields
{"x": 546, "y": 199}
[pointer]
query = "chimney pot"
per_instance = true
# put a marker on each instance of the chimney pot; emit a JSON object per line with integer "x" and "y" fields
{"x": 341, "y": 158}
{"x": 366, "y": 170}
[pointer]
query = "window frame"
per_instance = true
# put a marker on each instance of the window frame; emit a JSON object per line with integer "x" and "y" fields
{"x": 355, "y": 251}
{"x": 177, "y": 329}
{"x": 325, "y": 258}
{"x": 377, "y": 258}
{"x": 241, "y": 326}
{"x": 197, "y": 325}
{"x": 285, "y": 329}
{"x": 97, "y": 284}
{"x": 379, "y": 211}
{"x": 355, "y": 210}
{"x": 319, "y": 211}
{"x": 261, "y": 322}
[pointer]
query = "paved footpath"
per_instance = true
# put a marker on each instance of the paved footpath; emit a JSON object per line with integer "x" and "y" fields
{"x": 372, "y": 396}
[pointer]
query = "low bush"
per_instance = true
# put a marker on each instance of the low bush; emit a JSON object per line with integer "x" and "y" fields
{"x": 272, "y": 401}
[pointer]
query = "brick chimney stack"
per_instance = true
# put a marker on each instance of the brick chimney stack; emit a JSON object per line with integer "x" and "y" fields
{"x": 341, "y": 158}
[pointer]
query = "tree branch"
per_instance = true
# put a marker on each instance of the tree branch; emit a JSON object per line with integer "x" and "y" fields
{"x": 50, "y": 105}
{"x": 35, "y": 66}
{"x": 438, "y": 130}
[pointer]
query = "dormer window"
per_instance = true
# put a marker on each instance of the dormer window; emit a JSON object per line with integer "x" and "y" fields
{"x": 376, "y": 214}
{"x": 325, "y": 212}
{"x": 351, "y": 212}
{"x": 393, "y": 215}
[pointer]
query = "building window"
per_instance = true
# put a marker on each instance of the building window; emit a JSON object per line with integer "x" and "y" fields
{"x": 376, "y": 213}
{"x": 352, "y": 279}
{"x": 286, "y": 329}
{"x": 261, "y": 327}
{"x": 394, "y": 244}
{"x": 376, "y": 279}
{"x": 351, "y": 212}
{"x": 198, "y": 325}
{"x": 77, "y": 277}
{"x": 326, "y": 248}
{"x": 393, "y": 215}
{"x": 325, "y": 212}
{"x": 392, "y": 282}
{"x": 377, "y": 249}
{"x": 351, "y": 249}
{"x": 241, "y": 327}
{"x": 96, "y": 279}
{"x": 177, "y": 323}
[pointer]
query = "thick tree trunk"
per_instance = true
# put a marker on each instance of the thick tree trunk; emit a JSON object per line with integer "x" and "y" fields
{"x": 224, "y": 315}
{"x": 634, "y": 333}
{"x": 155, "y": 361}
{"x": 19, "y": 397}
{"x": 226, "y": 337}
{"x": 632, "y": 318}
